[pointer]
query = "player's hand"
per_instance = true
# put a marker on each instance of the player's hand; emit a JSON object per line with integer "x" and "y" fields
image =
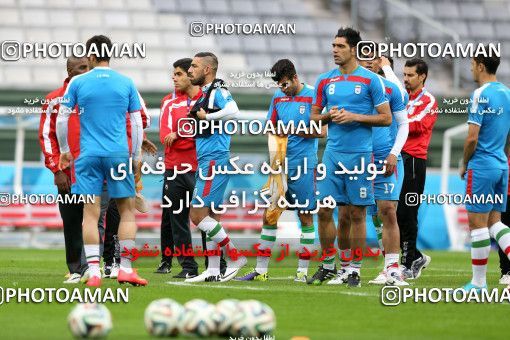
{"x": 462, "y": 171}
{"x": 201, "y": 114}
{"x": 384, "y": 61}
{"x": 343, "y": 117}
{"x": 169, "y": 139}
{"x": 62, "y": 182}
{"x": 391, "y": 163}
{"x": 65, "y": 160}
{"x": 149, "y": 147}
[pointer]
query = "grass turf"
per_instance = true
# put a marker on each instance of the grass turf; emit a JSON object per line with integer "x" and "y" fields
{"x": 317, "y": 312}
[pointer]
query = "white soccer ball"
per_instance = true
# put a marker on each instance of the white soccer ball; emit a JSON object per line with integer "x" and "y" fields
{"x": 90, "y": 320}
{"x": 254, "y": 319}
{"x": 225, "y": 314}
{"x": 162, "y": 317}
{"x": 198, "y": 319}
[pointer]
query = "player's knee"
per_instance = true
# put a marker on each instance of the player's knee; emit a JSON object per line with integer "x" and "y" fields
{"x": 325, "y": 213}
{"x": 196, "y": 216}
{"x": 357, "y": 216}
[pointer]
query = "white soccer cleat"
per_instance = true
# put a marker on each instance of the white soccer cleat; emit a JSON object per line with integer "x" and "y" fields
{"x": 206, "y": 276}
{"x": 85, "y": 277}
{"x": 73, "y": 278}
{"x": 340, "y": 278}
{"x": 301, "y": 276}
{"x": 141, "y": 204}
{"x": 395, "y": 279}
{"x": 380, "y": 279}
{"x": 505, "y": 279}
{"x": 233, "y": 268}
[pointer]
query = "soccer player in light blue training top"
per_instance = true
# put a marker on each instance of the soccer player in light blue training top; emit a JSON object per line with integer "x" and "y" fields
{"x": 485, "y": 166}
{"x": 354, "y": 101}
{"x": 213, "y": 150}
{"x": 104, "y": 97}
{"x": 387, "y": 144}
{"x": 292, "y": 102}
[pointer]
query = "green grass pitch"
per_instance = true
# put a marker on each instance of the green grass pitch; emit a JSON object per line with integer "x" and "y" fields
{"x": 317, "y": 312}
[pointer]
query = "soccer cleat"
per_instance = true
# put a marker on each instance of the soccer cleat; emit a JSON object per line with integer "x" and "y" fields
{"x": 341, "y": 278}
{"x": 186, "y": 274}
{"x": 300, "y": 277}
{"x": 131, "y": 278}
{"x": 505, "y": 279}
{"x": 419, "y": 264}
{"x": 253, "y": 276}
{"x": 321, "y": 275}
{"x": 85, "y": 276}
{"x": 141, "y": 204}
{"x": 233, "y": 268}
{"x": 73, "y": 278}
{"x": 394, "y": 279}
{"x": 353, "y": 280}
{"x": 94, "y": 281}
{"x": 206, "y": 276}
{"x": 407, "y": 274}
{"x": 164, "y": 268}
{"x": 380, "y": 279}
{"x": 115, "y": 271}
{"x": 107, "y": 270}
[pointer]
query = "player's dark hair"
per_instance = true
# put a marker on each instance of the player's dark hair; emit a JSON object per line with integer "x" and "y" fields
{"x": 352, "y": 36}
{"x": 491, "y": 62}
{"x": 421, "y": 67}
{"x": 98, "y": 41}
{"x": 210, "y": 55}
{"x": 184, "y": 64}
{"x": 283, "y": 68}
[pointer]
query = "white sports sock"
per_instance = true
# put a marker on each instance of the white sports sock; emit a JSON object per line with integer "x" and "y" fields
{"x": 125, "y": 261}
{"x": 391, "y": 263}
{"x": 501, "y": 233}
{"x": 92, "y": 255}
{"x": 213, "y": 262}
{"x": 480, "y": 249}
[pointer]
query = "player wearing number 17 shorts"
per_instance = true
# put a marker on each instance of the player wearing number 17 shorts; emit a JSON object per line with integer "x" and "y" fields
{"x": 354, "y": 101}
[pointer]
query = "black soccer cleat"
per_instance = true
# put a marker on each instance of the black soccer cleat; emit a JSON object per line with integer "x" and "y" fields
{"x": 164, "y": 268}
{"x": 353, "y": 280}
{"x": 321, "y": 275}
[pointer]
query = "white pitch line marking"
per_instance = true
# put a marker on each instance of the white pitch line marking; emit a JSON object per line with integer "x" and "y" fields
{"x": 220, "y": 286}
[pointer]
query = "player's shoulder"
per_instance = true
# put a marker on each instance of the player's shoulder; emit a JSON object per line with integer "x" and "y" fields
{"x": 308, "y": 91}
{"x": 480, "y": 91}
{"x": 56, "y": 93}
{"x": 278, "y": 94}
{"x": 329, "y": 74}
{"x": 364, "y": 72}
{"x": 78, "y": 79}
{"x": 428, "y": 97}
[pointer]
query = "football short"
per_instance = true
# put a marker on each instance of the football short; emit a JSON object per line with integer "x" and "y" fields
{"x": 91, "y": 172}
{"x": 487, "y": 189}
{"x": 387, "y": 188}
{"x": 210, "y": 191}
{"x": 352, "y": 189}
{"x": 302, "y": 188}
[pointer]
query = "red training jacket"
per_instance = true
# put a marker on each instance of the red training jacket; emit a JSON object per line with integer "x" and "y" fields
{"x": 174, "y": 107}
{"x": 422, "y": 114}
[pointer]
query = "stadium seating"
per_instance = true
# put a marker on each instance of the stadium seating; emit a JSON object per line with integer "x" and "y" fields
{"x": 46, "y": 216}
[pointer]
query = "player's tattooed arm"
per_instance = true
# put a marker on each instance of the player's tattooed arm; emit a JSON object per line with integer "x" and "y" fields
{"x": 469, "y": 147}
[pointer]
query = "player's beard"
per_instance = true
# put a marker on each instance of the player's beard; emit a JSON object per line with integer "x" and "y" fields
{"x": 198, "y": 80}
